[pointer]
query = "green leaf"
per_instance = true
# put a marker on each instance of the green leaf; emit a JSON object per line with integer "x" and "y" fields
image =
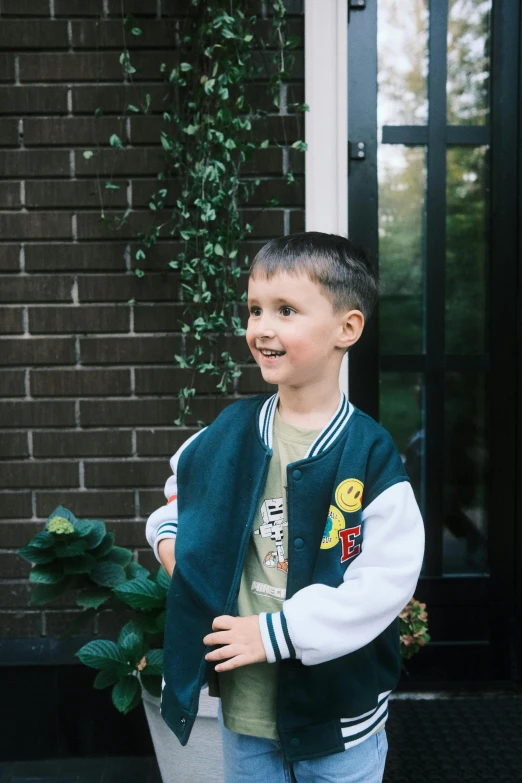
{"x": 108, "y": 574}
{"x": 141, "y": 593}
{"x": 133, "y": 646}
{"x": 96, "y": 534}
{"x": 42, "y": 540}
{"x": 88, "y": 154}
{"x": 36, "y": 555}
{"x": 126, "y": 694}
{"x": 47, "y": 574}
{"x": 105, "y": 546}
{"x": 115, "y": 141}
{"x": 79, "y": 565}
{"x": 154, "y": 662}
{"x": 139, "y": 273}
{"x": 132, "y": 108}
{"x": 111, "y": 186}
{"x": 93, "y": 597}
{"x": 101, "y": 654}
{"x": 61, "y": 511}
{"x": 162, "y": 578}
{"x": 132, "y": 628}
{"x": 120, "y": 555}
{"x": 45, "y": 594}
{"x": 302, "y": 146}
{"x": 105, "y": 678}
{"x": 218, "y": 250}
{"x": 70, "y": 548}
{"x": 185, "y": 67}
{"x": 140, "y": 255}
{"x": 135, "y": 569}
{"x": 152, "y": 684}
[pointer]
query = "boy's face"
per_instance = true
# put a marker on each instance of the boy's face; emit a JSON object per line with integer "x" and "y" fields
{"x": 291, "y": 316}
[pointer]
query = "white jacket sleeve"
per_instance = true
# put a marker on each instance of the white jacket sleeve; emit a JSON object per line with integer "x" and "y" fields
{"x": 163, "y": 523}
{"x": 319, "y": 623}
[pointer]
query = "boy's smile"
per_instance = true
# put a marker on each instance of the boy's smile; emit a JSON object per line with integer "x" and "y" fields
{"x": 293, "y": 333}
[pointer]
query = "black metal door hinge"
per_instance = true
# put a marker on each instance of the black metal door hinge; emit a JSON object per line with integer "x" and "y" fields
{"x": 356, "y": 150}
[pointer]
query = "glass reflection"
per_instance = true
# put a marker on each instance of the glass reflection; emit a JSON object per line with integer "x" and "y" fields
{"x": 466, "y": 249}
{"x": 402, "y": 186}
{"x": 466, "y": 456}
{"x": 401, "y": 413}
{"x": 468, "y": 61}
{"x": 402, "y": 45}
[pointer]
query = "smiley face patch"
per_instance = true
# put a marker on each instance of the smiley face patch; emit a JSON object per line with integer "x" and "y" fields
{"x": 334, "y": 524}
{"x": 348, "y": 494}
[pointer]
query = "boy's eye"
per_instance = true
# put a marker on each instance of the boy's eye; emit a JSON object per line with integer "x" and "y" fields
{"x": 255, "y": 310}
{"x": 285, "y": 310}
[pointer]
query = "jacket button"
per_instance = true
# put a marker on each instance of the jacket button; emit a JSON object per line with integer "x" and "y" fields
{"x": 298, "y": 543}
{"x": 296, "y": 475}
{"x": 295, "y": 742}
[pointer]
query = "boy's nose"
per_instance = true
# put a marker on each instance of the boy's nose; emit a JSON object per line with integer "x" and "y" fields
{"x": 264, "y": 329}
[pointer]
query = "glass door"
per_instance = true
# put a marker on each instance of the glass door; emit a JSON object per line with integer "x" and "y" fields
{"x": 430, "y": 189}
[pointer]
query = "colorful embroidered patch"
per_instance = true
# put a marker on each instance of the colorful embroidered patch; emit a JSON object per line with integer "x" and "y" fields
{"x": 334, "y": 524}
{"x": 348, "y": 495}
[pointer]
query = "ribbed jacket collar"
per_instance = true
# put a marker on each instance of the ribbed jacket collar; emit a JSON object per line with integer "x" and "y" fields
{"x": 326, "y": 437}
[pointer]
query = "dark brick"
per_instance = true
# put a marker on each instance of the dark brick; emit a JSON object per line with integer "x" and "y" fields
{"x": 266, "y": 224}
{"x": 108, "y": 34}
{"x": 38, "y": 474}
{"x": 144, "y": 190}
{"x": 36, "y": 414}
{"x": 150, "y": 500}
{"x": 79, "y": 383}
{"x": 158, "y": 317}
{"x": 68, "y": 131}
{"x": 269, "y": 161}
{"x": 35, "y": 225}
{"x": 129, "y": 350}
{"x": 128, "y": 533}
{"x": 11, "y": 320}
{"x": 121, "y": 288}
{"x": 91, "y": 504}
{"x": 57, "y": 622}
{"x": 34, "y": 163}
{"x": 70, "y": 67}
{"x": 251, "y": 382}
{"x": 8, "y": 135}
{"x": 25, "y": 8}
{"x": 35, "y": 288}
{"x": 39, "y": 34}
{"x": 9, "y": 258}
{"x": 81, "y": 193}
{"x": 140, "y": 7}
{"x": 147, "y": 559}
{"x": 113, "y": 98}
{"x": 117, "y": 163}
{"x": 90, "y": 225}
{"x": 33, "y": 100}
{"x": 13, "y": 567}
{"x": 13, "y": 444}
{"x": 284, "y": 129}
{"x": 133, "y": 413}
{"x": 82, "y": 444}
{"x": 297, "y": 221}
{"x": 61, "y": 257}
{"x": 296, "y": 161}
{"x": 10, "y": 195}
{"x": 16, "y": 532}
{"x": 6, "y": 68}
{"x": 131, "y": 473}
{"x": 288, "y": 195}
{"x": 20, "y": 625}
{"x": 59, "y": 350}
{"x": 14, "y": 594}
{"x": 154, "y": 443}
{"x": 147, "y": 129}
{"x": 206, "y": 409}
{"x": 168, "y": 380}
{"x": 78, "y": 8}
{"x": 84, "y": 319}
{"x": 14, "y": 505}
{"x": 12, "y": 383}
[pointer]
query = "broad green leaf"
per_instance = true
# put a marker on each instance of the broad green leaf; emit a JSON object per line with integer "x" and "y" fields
{"x": 88, "y": 154}
{"x": 105, "y": 678}
{"x": 61, "y": 511}
{"x": 47, "y": 574}
{"x": 108, "y": 574}
{"x": 119, "y": 555}
{"x": 141, "y": 593}
{"x": 79, "y": 565}
{"x": 105, "y": 546}
{"x": 101, "y": 654}
{"x": 135, "y": 569}
{"x": 96, "y": 534}
{"x": 36, "y": 555}
{"x": 162, "y": 578}
{"x": 93, "y": 597}
{"x": 42, "y": 540}
{"x": 133, "y": 646}
{"x": 70, "y": 548}
{"x": 154, "y": 662}
{"x": 126, "y": 694}
{"x": 45, "y": 594}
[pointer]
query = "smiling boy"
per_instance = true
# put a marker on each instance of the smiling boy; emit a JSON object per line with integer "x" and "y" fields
{"x": 298, "y": 540}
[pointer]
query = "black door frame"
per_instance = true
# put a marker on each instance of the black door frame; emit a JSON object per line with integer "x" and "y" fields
{"x": 498, "y": 663}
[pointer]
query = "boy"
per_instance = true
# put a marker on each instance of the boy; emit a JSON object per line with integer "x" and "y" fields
{"x": 299, "y": 540}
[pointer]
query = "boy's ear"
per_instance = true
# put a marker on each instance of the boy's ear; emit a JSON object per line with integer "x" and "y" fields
{"x": 352, "y": 325}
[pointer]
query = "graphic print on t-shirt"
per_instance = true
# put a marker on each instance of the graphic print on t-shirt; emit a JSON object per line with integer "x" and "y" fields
{"x": 272, "y": 512}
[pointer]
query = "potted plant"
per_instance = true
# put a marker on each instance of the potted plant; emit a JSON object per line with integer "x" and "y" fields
{"x": 80, "y": 556}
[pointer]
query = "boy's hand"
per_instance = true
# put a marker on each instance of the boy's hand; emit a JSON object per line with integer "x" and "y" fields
{"x": 242, "y": 642}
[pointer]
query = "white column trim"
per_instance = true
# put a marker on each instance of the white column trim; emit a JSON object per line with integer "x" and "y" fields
{"x": 326, "y": 124}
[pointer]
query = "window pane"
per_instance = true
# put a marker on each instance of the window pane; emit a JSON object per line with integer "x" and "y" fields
{"x": 402, "y": 45}
{"x": 401, "y": 407}
{"x": 465, "y": 502}
{"x": 466, "y": 249}
{"x": 402, "y": 186}
{"x": 468, "y": 61}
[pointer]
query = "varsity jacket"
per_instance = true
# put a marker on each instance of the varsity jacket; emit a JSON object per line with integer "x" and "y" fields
{"x": 356, "y": 543}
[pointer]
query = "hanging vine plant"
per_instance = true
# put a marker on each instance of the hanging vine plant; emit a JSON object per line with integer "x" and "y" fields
{"x": 207, "y": 138}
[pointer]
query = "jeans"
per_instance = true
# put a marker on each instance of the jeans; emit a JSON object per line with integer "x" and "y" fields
{"x": 258, "y": 760}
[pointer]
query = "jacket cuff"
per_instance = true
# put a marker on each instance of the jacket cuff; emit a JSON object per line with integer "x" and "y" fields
{"x": 275, "y": 636}
{"x": 166, "y": 530}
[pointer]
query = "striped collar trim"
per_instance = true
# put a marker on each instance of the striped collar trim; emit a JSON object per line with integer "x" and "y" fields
{"x": 326, "y": 437}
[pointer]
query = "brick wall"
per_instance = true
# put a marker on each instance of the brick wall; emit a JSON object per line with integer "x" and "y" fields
{"x": 87, "y": 386}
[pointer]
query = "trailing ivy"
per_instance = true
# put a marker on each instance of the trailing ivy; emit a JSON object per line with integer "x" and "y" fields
{"x": 207, "y": 138}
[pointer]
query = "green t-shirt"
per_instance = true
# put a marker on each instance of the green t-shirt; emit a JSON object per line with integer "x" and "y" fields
{"x": 249, "y": 693}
